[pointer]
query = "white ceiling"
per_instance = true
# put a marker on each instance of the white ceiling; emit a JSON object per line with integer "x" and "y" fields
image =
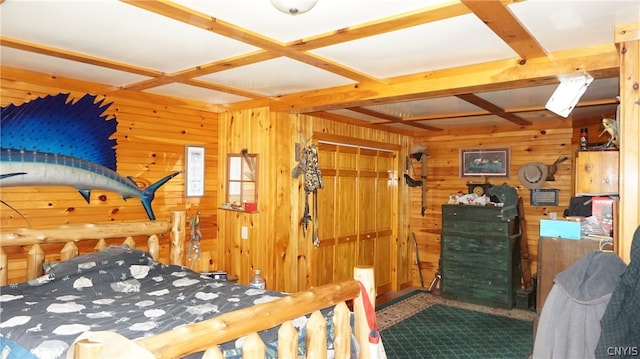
{"x": 235, "y": 52}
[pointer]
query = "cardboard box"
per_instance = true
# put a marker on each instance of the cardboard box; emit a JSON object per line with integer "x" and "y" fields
{"x": 559, "y": 228}
{"x": 602, "y": 210}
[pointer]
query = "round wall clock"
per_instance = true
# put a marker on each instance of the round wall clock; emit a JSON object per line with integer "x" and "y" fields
{"x": 479, "y": 189}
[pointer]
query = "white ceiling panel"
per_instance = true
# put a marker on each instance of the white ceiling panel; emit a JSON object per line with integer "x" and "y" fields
{"x": 353, "y": 58}
{"x": 195, "y": 93}
{"x": 559, "y": 25}
{"x": 467, "y": 122}
{"x": 594, "y": 111}
{"x": 519, "y": 98}
{"x": 429, "y": 107}
{"x": 261, "y": 17}
{"x": 277, "y": 77}
{"x": 60, "y": 67}
{"x": 420, "y": 49}
{"x": 116, "y": 31}
{"x": 356, "y": 115}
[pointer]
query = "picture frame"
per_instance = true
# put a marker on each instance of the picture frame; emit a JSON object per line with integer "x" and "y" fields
{"x": 485, "y": 162}
{"x": 194, "y": 171}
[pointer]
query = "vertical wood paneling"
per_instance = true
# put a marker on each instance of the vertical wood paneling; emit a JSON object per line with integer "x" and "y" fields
{"x": 276, "y": 243}
{"x": 629, "y": 47}
{"x": 528, "y": 144}
{"x": 151, "y": 134}
{"x": 398, "y": 253}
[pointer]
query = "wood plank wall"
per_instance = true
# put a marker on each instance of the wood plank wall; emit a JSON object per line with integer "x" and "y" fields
{"x": 539, "y": 143}
{"x": 275, "y": 243}
{"x": 339, "y": 132}
{"x": 151, "y": 136}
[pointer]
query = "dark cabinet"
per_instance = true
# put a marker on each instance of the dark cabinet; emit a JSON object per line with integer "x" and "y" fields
{"x": 479, "y": 256}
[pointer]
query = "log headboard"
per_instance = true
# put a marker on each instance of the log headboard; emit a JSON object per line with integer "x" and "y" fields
{"x": 71, "y": 234}
{"x": 207, "y": 334}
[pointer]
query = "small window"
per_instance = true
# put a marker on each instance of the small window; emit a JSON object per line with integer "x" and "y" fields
{"x": 242, "y": 185}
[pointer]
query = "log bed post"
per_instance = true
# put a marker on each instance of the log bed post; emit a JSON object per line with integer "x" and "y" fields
{"x": 4, "y": 273}
{"x": 69, "y": 251}
{"x": 365, "y": 276}
{"x": 178, "y": 229}
{"x": 35, "y": 259}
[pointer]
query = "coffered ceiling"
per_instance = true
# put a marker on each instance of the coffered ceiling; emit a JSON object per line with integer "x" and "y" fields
{"x": 401, "y": 65}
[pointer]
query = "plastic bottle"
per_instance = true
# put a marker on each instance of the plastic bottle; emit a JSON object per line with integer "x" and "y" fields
{"x": 584, "y": 138}
{"x": 257, "y": 281}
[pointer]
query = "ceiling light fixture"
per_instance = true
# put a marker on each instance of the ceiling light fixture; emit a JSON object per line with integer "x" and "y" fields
{"x": 568, "y": 93}
{"x": 294, "y": 7}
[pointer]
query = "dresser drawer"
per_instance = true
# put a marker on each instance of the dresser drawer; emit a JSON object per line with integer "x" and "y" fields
{"x": 463, "y": 275}
{"x": 475, "y": 228}
{"x": 471, "y": 213}
{"x": 477, "y": 294}
{"x": 477, "y": 260}
{"x": 479, "y": 244}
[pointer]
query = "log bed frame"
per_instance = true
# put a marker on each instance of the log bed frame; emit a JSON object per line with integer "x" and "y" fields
{"x": 206, "y": 335}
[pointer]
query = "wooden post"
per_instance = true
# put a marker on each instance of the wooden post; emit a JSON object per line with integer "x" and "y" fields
{"x": 365, "y": 276}
{"x": 178, "y": 229}
{"x": 288, "y": 341}
{"x": 100, "y": 246}
{"x": 342, "y": 331}
{"x": 154, "y": 247}
{"x": 253, "y": 347}
{"x": 86, "y": 349}
{"x": 317, "y": 336}
{"x": 34, "y": 262}
{"x": 4, "y": 273}
{"x": 129, "y": 242}
{"x": 70, "y": 250}
{"x": 627, "y": 39}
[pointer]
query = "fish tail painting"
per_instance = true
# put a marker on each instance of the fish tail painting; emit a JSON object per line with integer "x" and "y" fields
{"x": 50, "y": 142}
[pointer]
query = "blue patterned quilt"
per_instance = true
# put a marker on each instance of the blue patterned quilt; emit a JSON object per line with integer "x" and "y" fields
{"x": 122, "y": 290}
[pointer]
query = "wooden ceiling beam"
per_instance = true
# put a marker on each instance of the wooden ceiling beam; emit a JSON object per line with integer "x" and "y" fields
{"x": 225, "y": 89}
{"x": 427, "y": 15}
{"x": 513, "y": 110}
{"x": 354, "y": 121}
{"x": 492, "y": 108}
{"x": 220, "y": 27}
{"x": 497, "y": 16}
{"x": 75, "y": 56}
{"x": 599, "y": 61}
{"x": 376, "y": 114}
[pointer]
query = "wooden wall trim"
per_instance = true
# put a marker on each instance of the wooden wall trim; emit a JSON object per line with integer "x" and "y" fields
{"x": 628, "y": 38}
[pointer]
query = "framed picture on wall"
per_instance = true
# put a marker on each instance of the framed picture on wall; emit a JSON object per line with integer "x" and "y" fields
{"x": 480, "y": 162}
{"x": 194, "y": 171}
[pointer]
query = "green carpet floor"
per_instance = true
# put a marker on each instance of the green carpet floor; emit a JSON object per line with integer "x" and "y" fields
{"x": 446, "y": 332}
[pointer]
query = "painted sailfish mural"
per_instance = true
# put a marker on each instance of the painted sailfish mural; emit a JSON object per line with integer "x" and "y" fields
{"x": 53, "y": 142}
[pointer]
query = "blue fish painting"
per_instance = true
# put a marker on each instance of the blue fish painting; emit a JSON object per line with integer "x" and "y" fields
{"x": 54, "y": 142}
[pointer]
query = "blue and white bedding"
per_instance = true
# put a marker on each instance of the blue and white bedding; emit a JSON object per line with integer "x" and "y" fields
{"x": 122, "y": 290}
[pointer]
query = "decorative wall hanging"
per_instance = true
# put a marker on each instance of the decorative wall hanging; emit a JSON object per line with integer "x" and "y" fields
{"x": 53, "y": 141}
{"x": 481, "y": 162}
{"x": 544, "y": 197}
{"x": 194, "y": 166}
{"x": 307, "y": 157}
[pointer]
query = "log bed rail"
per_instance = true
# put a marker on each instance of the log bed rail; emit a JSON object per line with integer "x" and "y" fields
{"x": 206, "y": 335}
{"x": 70, "y": 234}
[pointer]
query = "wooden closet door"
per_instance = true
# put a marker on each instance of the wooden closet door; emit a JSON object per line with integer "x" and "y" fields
{"x": 367, "y": 198}
{"x": 346, "y": 212}
{"x": 386, "y": 184}
{"x": 322, "y": 259}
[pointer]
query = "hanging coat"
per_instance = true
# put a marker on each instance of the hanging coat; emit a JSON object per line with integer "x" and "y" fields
{"x": 569, "y": 326}
{"x": 620, "y": 324}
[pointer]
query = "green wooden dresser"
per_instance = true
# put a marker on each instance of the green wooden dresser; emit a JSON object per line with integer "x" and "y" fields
{"x": 479, "y": 256}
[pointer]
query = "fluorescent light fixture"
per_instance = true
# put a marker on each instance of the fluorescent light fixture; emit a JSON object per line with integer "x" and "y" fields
{"x": 294, "y": 7}
{"x": 567, "y": 95}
